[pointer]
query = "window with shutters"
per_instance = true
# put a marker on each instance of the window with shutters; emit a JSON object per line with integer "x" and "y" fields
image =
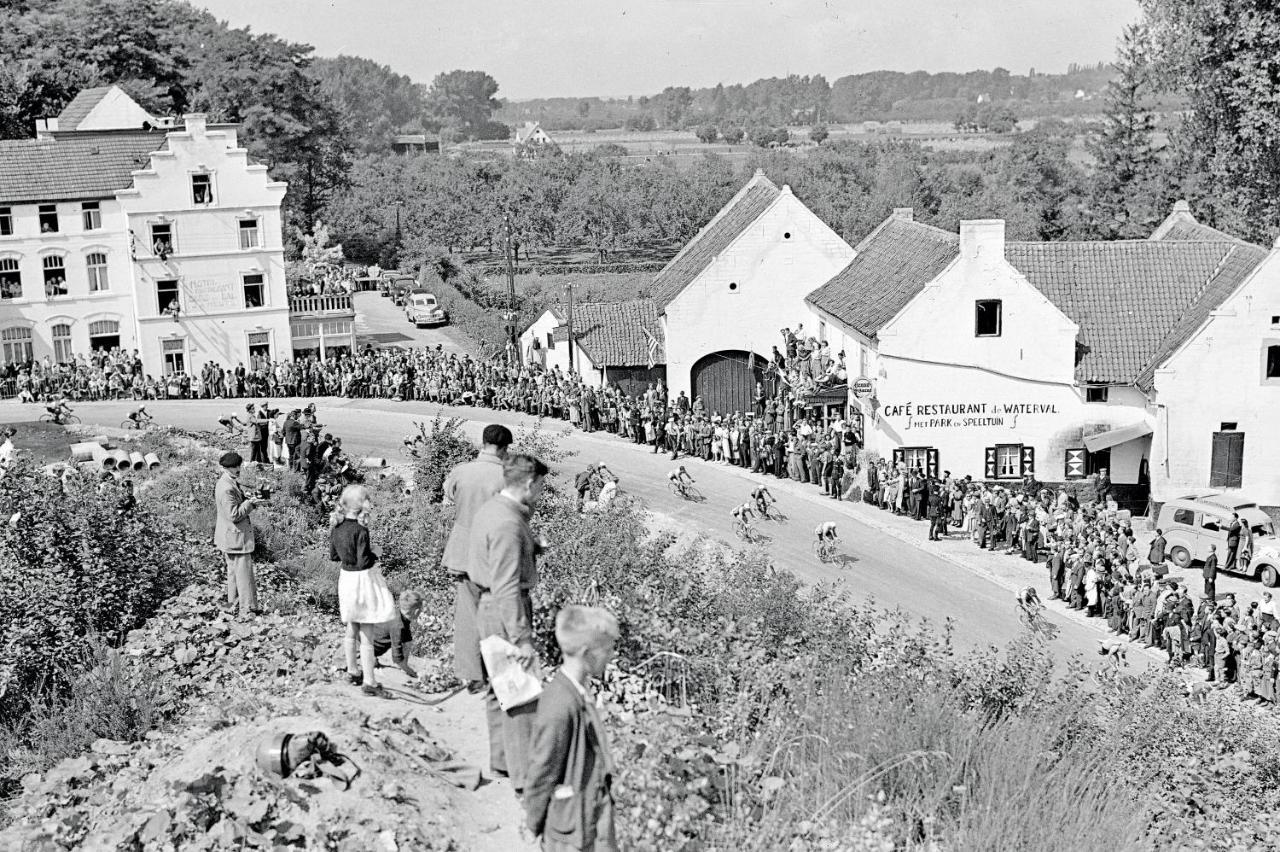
{"x": 61, "y": 334}
{"x": 1010, "y": 461}
{"x": 1226, "y": 461}
{"x": 924, "y": 459}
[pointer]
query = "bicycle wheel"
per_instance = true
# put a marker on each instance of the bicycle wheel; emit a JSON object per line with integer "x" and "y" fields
{"x": 71, "y": 420}
{"x": 128, "y": 424}
{"x": 820, "y": 550}
{"x": 46, "y": 418}
{"x": 692, "y": 494}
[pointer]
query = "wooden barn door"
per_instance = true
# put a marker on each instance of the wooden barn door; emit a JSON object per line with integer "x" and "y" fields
{"x": 726, "y": 381}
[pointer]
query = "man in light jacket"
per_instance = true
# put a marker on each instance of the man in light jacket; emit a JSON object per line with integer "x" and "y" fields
{"x": 233, "y": 535}
{"x": 468, "y": 487}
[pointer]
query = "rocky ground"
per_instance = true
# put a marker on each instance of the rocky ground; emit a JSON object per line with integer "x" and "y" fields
{"x": 228, "y": 684}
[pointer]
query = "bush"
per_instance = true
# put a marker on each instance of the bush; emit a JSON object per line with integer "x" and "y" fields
{"x": 734, "y": 135}
{"x": 708, "y": 133}
{"x": 819, "y": 133}
{"x": 436, "y": 449}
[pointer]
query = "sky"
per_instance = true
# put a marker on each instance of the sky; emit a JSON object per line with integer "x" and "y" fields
{"x": 612, "y": 48}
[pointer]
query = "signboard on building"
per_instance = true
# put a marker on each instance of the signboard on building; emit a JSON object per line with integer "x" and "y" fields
{"x": 964, "y": 415}
{"x": 210, "y": 296}
{"x": 863, "y": 388}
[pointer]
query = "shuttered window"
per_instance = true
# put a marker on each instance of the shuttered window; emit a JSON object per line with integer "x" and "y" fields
{"x": 1226, "y": 465}
{"x": 1009, "y": 461}
{"x": 1075, "y": 466}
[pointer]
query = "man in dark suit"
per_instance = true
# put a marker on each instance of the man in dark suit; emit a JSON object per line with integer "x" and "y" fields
{"x": 233, "y": 535}
{"x": 1210, "y": 572}
{"x": 1057, "y": 571}
{"x": 1233, "y": 542}
{"x": 568, "y": 796}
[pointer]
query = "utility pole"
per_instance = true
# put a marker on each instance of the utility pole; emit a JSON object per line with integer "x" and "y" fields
{"x": 511, "y": 286}
{"x": 569, "y": 289}
{"x": 399, "y": 235}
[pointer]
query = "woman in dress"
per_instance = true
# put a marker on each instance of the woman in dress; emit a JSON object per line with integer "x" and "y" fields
{"x": 364, "y": 601}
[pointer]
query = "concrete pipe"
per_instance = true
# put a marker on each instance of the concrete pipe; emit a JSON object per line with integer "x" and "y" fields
{"x": 103, "y": 458}
{"x": 83, "y": 450}
{"x": 136, "y": 461}
{"x": 122, "y": 459}
{"x": 373, "y": 461}
{"x": 152, "y": 460}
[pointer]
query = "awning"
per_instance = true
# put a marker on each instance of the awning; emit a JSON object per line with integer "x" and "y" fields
{"x": 1119, "y": 435}
{"x": 829, "y": 396}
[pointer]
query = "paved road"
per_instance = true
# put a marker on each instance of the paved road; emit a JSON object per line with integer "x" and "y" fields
{"x": 896, "y": 573}
{"x": 378, "y": 319}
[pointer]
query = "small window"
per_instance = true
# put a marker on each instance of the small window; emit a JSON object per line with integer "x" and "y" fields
{"x": 255, "y": 295}
{"x": 733, "y": 286}
{"x": 1186, "y": 517}
{"x": 6, "y": 222}
{"x": 1273, "y": 362}
{"x": 61, "y": 334}
{"x": 167, "y": 296}
{"x": 202, "y": 189}
{"x": 96, "y": 263}
{"x": 1230, "y": 426}
{"x": 55, "y": 275}
{"x": 1096, "y": 393}
{"x": 1275, "y": 319}
{"x": 787, "y": 235}
{"x": 91, "y": 213}
{"x": 17, "y": 344}
{"x": 248, "y": 233}
{"x": 175, "y": 355}
{"x": 988, "y": 319}
{"x": 1009, "y": 461}
{"x": 551, "y": 343}
{"x": 1210, "y": 523}
{"x": 260, "y": 344}
{"x": 48, "y": 218}
{"x": 10, "y": 279}
{"x": 162, "y": 239}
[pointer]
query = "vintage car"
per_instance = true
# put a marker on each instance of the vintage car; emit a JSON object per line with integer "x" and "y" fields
{"x": 1193, "y": 523}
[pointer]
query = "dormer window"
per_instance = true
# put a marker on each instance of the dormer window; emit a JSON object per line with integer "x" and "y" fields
{"x": 202, "y": 189}
{"x": 1095, "y": 393}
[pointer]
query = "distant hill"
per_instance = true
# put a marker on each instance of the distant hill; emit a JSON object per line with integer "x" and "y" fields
{"x": 796, "y": 99}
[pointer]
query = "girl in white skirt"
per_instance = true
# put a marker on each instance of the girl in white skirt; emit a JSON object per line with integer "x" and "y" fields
{"x": 364, "y": 601}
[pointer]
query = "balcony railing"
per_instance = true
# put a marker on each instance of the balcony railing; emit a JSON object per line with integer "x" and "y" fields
{"x": 330, "y": 305}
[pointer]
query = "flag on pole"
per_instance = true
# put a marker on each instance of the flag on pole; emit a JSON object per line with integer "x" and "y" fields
{"x": 653, "y": 347}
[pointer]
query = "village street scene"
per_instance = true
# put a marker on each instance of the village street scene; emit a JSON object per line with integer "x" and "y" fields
{"x": 693, "y": 426}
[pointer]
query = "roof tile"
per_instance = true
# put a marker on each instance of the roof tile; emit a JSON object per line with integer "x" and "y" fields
{"x": 72, "y": 168}
{"x": 613, "y": 333}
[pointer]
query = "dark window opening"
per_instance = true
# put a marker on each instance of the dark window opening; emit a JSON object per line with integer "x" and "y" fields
{"x": 162, "y": 239}
{"x": 1095, "y": 394}
{"x": 733, "y": 286}
{"x": 55, "y": 275}
{"x": 1228, "y": 426}
{"x": 988, "y": 319}
{"x": 6, "y": 222}
{"x": 91, "y": 212}
{"x": 1273, "y": 362}
{"x": 202, "y": 189}
{"x": 787, "y": 235}
{"x": 10, "y": 279}
{"x": 167, "y": 295}
{"x": 48, "y": 218}
{"x": 254, "y": 291}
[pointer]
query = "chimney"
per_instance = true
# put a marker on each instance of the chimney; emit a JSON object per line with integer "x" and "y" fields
{"x": 982, "y": 238}
{"x": 906, "y": 214}
{"x": 1181, "y": 206}
{"x": 194, "y": 123}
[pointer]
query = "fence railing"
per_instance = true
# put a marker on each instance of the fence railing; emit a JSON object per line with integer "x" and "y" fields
{"x": 335, "y": 303}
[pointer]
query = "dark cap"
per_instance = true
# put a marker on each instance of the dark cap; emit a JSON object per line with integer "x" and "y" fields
{"x": 231, "y": 459}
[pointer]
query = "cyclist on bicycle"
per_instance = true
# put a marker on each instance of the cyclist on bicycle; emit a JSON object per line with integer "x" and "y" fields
{"x": 679, "y": 475}
{"x": 742, "y": 516}
{"x": 232, "y": 421}
{"x": 140, "y": 417}
{"x": 826, "y": 531}
{"x": 60, "y": 409}
{"x": 1029, "y": 602}
{"x": 763, "y": 498}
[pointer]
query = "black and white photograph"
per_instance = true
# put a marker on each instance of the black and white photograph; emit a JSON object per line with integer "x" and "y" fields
{"x": 639, "y": 426}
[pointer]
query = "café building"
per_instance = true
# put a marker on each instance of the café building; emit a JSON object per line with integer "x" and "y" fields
{"x": 998, "y": 359}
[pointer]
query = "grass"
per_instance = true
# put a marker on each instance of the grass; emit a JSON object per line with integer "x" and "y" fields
{"x": 44, "y": 442}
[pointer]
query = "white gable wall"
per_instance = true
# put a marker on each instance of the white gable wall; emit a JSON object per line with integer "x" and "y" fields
{"x": 1219, "y": 377}
{"x": 116, "y": 111}
{"x": 557, "y": 353}
{"x": 940, "y": 386}
{"x": 784, "y": 255}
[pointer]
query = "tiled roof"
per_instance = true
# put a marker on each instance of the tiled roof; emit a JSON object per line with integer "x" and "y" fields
{"x": 1135, "y": 300}
{"x": 72, "y": 168}
{"x": 893, "y": 264}
{"x": 734, "y": 218}
{"x": 1193, "y": 231}
{"x": 613, "y": 333}
{"x": 80, "y": 106}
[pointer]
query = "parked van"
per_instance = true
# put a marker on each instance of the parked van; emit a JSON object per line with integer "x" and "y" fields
{"x": 1191, "y": 524}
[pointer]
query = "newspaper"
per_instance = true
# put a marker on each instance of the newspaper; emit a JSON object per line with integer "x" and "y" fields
{"x": 513, "y": 684}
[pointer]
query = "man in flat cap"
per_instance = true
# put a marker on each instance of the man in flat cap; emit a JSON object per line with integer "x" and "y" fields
{"x": 233, "y": 535}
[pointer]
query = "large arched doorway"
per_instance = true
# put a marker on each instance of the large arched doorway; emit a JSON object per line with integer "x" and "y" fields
{"x": 726, "y": 381}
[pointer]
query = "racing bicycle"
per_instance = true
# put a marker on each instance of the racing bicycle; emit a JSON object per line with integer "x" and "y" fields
{"x": 63, "y": 420}
{"x": 684, "y": 490}
{"x": 826, "y": 548}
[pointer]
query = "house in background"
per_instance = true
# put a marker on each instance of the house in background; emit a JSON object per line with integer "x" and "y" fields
{"x": 613, "y": 343}
{"x": 164, "y": 241}
{"x": 531, "y": 142}
{"x": 415, "y": 143}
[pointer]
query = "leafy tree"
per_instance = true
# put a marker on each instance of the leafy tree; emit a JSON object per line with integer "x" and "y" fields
{"x": 1222, "y": 55}
{"x": 674, "y": 102}
{"x": 707, "y": 133}
{"x": 643, "y": 123}
{"x": 762, "y": 136}
{"x": 781, "y": 136}
{"x": 375, "y": 102}
{"x": 462, "y": 100}
{"x": 584, "y": 108}
{"x": 1126, "y": 193}
{"x": 819, "y": 133}
{"x": 734, "y": 135}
